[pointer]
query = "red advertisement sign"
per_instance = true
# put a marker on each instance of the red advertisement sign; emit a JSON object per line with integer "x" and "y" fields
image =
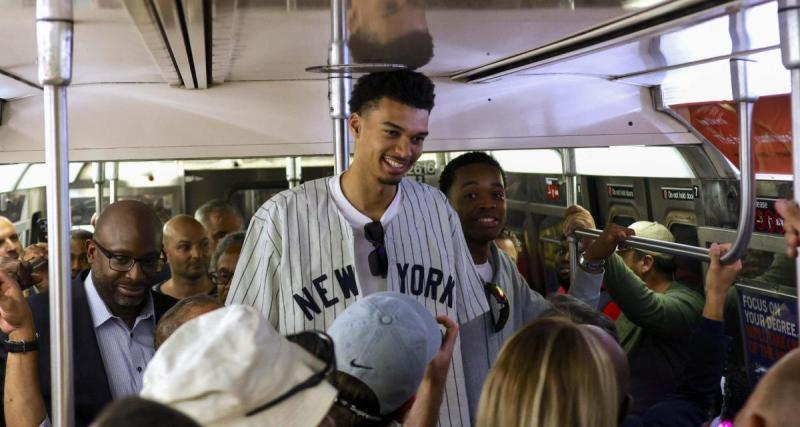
{"x": 767, "y": 218}
{"x": 772, "y": 130}
{"x": 553, "y": 189}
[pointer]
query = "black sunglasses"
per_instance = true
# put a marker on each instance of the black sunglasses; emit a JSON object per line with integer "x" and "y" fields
{"x": 320, "y": 345}
{"x": 498, "y": 302}
{"x": 378, "y": 262}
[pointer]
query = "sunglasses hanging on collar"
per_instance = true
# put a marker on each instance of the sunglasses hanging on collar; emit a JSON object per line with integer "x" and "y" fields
{"x": 378, "y": 261}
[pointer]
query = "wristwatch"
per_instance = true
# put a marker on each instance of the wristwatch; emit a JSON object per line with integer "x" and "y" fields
{"x": 21, "y": 346}
{"x": 592, "y": 267}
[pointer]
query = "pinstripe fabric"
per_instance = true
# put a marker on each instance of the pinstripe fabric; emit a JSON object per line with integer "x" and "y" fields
{"x": 297, "y": 266}
{"x": 126, "y": 352}
{"x": 481, "y": 344}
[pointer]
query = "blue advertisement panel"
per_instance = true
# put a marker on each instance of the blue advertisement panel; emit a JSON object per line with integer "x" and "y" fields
{"x": 769, "y": 325}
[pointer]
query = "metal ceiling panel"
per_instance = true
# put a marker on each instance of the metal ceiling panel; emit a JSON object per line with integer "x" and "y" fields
{"x": 224, "y": 21}
{"x": 144, "y": 16}
{"x": 173, "y": 24}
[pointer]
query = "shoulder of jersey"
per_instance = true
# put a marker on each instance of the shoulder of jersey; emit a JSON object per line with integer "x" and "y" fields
{"x": 291, "y": 197}
{"x": 423, "y": 187}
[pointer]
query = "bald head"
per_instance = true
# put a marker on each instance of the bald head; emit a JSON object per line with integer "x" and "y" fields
{"x": 181, "y": 226}
{"x": 125, "y": 255}
{"x": 10, "y": 246}
{"x": 187, "y": 248}
{"x": 775, "y": 399}
{"x": 126, "y": 221}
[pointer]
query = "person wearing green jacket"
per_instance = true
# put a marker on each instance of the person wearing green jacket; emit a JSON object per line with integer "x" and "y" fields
{"x": 658, "y": 313}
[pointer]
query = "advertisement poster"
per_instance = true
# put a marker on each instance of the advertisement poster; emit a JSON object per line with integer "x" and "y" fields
{"x": 769, "y": 325}
{"x": 772, "y": 130}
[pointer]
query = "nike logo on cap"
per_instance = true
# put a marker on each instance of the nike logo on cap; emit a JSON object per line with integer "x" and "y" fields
{"x": 356, "y": 365}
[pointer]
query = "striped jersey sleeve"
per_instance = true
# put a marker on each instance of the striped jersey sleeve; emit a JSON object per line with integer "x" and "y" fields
{"x": 257, "y": 278}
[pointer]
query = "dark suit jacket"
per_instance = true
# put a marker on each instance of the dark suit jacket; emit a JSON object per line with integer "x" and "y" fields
{"x": 92, "y": 391}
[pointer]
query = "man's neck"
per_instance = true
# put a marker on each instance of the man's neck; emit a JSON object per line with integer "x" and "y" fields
{"x": 366, "y": 194}
{"x": 480, "y": 251}
{"x": 658, "y": 284}
{"x": 180, "y": 287}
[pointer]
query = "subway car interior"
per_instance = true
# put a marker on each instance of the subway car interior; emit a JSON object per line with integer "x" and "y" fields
{"x": 634, "y": 109}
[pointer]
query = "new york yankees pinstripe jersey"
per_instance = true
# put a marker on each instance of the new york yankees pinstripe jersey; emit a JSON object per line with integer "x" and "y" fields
{"x": 297, "y": 266}
{"x": 480, "y": 344}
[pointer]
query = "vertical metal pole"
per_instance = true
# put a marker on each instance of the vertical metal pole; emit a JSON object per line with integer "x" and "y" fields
{"x": 789, "y": 22}
{"x": 99, "y": 180}
{"x": 339, "y": 86}
{"x": 294, "y": 171}
{"x": 571, "y": 183}
{"x": 745, "y": 97}
{"x": 54, "y": 41}
{"x": 113, "y": 182}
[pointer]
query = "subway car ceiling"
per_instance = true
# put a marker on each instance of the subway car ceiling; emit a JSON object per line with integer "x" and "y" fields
{"x": 587, "y": 75}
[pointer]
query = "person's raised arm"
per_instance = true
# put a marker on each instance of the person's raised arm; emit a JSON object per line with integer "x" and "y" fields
{"x": 699, "y": 382}
{"x": 22, "y": 399}
{"x": 587, "y": 286}
{"x": 791, "y": 225}
{"x": 425, "y": 411}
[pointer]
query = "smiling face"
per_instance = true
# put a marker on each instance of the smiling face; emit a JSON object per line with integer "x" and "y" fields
{"x": 125, "y": 229}
{"x": 478, "y": 195}
{"x": 389, "y": 139}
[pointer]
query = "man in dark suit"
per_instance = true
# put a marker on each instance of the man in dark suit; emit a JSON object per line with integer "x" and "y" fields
{"x": 114, "y": 315}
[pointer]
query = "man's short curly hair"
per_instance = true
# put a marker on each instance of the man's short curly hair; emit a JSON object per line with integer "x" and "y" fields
{"x": 413, "y": 50}
{"x": 473, "y": 157}
{"x": 404, "y": 86}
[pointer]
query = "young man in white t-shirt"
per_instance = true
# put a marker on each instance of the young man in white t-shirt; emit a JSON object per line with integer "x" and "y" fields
{"x": 314, "y": 250}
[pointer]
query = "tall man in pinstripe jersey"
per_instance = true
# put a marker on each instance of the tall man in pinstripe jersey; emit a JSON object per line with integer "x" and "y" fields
{"x": 312, "y": 251}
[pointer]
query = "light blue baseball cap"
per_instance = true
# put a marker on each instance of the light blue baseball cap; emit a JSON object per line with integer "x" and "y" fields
{"x": 386, "y": 340}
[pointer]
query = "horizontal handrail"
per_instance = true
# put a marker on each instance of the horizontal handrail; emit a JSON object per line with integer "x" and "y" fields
{"x": 679, "y": 249}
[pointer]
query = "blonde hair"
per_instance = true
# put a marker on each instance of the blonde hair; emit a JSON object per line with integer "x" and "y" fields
{"x": 552, "y": 373}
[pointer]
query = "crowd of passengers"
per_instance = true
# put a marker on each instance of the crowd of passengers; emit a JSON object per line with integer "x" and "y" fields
{"x": 368, "y": 299}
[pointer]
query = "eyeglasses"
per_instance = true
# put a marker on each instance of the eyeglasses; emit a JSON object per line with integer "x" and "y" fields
{"x": 124, "y": 263}
{"x": 378, "y": 262}
{"x": 222, "y": 277}
{"x": 498, "y": 303}
{"x": 318, "y": 344}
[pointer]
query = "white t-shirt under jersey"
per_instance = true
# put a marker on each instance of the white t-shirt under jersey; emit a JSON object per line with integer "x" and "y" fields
{"x": 485, "y": 271}
{"x": 362, "y": 247}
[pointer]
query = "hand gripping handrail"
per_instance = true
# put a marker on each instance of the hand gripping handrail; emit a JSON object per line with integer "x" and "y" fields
{"x": 743, "y": 96}
{"x": 54, "y": 30}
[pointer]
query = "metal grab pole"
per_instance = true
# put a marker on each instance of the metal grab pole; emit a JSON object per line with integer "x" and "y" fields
{"x": 293, "y": 171}
{"x": 339, "y": 83}
{"x": 671, "y": 248}
{"x": 113, "y": 182}
{"x": 54, "y": 28}
{"x": 745, "y": 97}
{"x": 789, "y": 22}
{"x": 569, "y": 169}
{"x": 99, "y": 180}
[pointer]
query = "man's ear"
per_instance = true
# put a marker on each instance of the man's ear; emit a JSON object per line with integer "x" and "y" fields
{"x": 354, "y": 123}
{"x": 90, "y": 251}
{"x": 648, "y": 261}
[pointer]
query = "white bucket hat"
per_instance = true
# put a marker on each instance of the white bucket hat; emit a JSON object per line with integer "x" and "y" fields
{"x": 218, "y": 367}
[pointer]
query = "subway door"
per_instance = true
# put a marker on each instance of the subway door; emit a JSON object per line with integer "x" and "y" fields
{"x": 621, "y": 200}
{"x": 677, "y": 204}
